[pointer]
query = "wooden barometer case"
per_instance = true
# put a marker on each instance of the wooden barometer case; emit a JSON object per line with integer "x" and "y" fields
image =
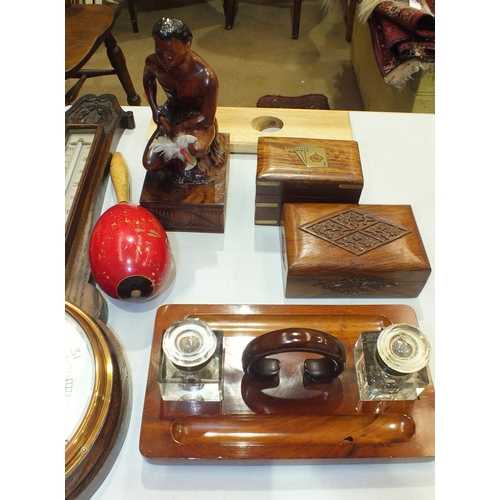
{"x": 97, "y": 410}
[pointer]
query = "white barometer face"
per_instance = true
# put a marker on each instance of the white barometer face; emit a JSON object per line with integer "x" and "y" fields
{"x": 80, "y": 376}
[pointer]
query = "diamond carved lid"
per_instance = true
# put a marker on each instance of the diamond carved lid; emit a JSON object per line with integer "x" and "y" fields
{"x": 355, "y": 231}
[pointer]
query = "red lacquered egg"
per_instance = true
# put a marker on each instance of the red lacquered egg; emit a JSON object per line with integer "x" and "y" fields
{"x": 129, "y": 253}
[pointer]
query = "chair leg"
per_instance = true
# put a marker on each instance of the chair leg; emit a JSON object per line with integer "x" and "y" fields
{"x": 133, "y": 15}
{"x": 229, "y": 11}
{"x": 297, "y": 4}
{"x": 117, "y": 60}
{"x": 73, "y": 92}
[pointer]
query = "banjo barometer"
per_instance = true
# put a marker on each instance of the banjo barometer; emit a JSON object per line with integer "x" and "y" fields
{"x": 97, "y": 389}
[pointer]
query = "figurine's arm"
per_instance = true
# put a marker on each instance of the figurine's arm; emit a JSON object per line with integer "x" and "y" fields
{"x": 208, "y": 88}
{"x": 209, "y": 104}
{"x": 150, "y": 88}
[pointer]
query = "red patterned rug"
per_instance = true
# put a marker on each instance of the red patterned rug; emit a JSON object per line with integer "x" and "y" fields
{"x": 308, "y": 101}
{"x": 403, "y": 39}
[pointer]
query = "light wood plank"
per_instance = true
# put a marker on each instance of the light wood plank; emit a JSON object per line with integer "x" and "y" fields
{"x": 301, "y": 123}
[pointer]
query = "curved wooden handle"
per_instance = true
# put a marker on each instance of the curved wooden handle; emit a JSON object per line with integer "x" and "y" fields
{"x": 259, "y": 367}
{"x": 120, "y": 178}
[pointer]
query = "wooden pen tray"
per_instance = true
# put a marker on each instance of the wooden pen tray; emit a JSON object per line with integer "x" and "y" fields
{"x": 294, "y": 421}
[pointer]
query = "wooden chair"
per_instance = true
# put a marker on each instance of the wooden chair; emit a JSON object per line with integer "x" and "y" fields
{"x": 87, "y": 28}
{"x": 133, "y": 16}
{"x": 230, "y": 11}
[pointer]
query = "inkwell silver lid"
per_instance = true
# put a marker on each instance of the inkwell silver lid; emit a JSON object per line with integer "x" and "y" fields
{"x": 403, "y": 348}
{"x": 189, "y": 343}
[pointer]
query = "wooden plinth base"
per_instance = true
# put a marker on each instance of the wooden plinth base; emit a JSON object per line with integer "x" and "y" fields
{"x": 189, "y": 207}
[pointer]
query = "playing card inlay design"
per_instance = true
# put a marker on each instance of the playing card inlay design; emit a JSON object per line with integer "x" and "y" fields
{"x": 312, "y": 156}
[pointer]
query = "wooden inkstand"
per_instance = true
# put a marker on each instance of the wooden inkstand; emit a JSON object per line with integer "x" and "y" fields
{"x": 289, "y": 390}
{"x": 186, "y": 157}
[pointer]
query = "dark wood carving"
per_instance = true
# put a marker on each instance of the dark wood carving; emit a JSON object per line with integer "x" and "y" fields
{"x": 189, "y": 207}
{"x": 191, "y": 88}
{"x": 355, "y": 230}
{"x": 104, "y": 114}
{"x": 343, "y": 250}
{"x": 292, "y": 418}
{"x": 186, "y": 157}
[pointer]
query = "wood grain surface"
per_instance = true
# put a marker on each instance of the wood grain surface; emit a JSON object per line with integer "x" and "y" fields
{"x": 245, "y": 125}
{"x": 292, "y": 420}
{"x": 357, "y": 251}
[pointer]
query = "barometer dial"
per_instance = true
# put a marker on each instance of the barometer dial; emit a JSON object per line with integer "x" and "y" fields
{"x": 89, "y": 377}
{"x": 79, "y": 375}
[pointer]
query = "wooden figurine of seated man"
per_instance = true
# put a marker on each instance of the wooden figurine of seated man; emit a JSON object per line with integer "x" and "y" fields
{"x": 187, "y": 127}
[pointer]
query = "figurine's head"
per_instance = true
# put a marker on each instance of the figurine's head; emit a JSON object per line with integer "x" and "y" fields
{"x": 172, "y": 41}
{"x": 168, "y": 27}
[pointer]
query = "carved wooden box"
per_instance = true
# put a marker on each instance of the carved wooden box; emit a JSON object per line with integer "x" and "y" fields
{"x": 352, "y": 251}
{"x": 291, "y": 170}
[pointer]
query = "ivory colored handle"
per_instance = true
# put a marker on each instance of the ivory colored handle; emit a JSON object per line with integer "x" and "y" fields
{"x": 120, "y": 178}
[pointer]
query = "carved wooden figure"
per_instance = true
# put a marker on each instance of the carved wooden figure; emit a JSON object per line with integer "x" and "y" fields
{"x": 186, "y": 122}
{"x": 186, "y": 148}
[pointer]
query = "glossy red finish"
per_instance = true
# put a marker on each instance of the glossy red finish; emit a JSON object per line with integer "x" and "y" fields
{"x": 129, "y": 253}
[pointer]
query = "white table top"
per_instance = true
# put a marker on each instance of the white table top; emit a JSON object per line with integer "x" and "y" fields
{"x": 214, "y": 268}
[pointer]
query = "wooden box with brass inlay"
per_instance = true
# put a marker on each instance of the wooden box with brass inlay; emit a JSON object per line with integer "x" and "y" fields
{"x": 291, "y": 170}
{"x": 352, "y": 251}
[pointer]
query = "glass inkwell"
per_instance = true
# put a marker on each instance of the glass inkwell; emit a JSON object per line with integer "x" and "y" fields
{"x": 392, "y": 364}
{"x": 191, "y": 362}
